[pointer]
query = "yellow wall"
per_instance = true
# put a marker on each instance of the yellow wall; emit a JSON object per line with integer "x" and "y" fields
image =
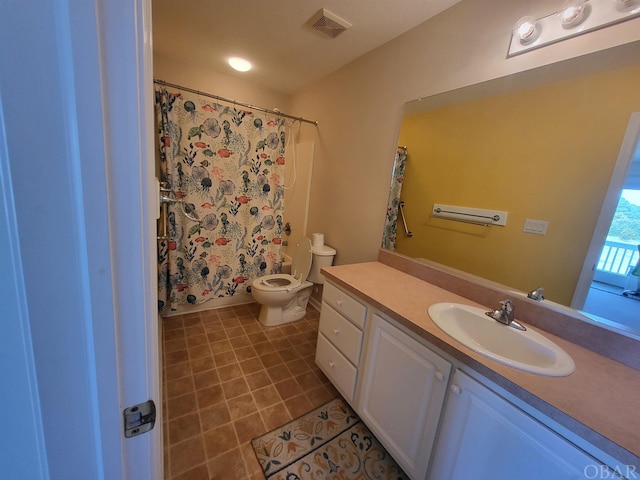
{"x": 545, "y": 153}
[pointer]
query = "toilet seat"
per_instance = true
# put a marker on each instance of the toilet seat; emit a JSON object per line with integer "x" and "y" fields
{"x": 277, "y": 283}
{"x": 300, "y": 267}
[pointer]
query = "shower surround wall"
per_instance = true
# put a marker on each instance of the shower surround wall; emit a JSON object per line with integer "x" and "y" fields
{"x": 226, "y": 165}
{"x": 298, "y": 175}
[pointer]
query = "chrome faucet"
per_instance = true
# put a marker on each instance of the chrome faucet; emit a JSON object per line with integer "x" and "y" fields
{"x": 536, "y": 294}
{"x": 506, "y": 315}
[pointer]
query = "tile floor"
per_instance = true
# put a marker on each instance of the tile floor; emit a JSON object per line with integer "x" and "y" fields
{"x": 227, "y": 379}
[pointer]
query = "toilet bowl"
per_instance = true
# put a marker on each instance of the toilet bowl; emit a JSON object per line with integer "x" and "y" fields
{"x": 284, "y": 297}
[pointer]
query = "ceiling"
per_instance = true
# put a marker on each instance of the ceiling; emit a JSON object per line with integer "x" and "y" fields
{"x": 276, "y": 35}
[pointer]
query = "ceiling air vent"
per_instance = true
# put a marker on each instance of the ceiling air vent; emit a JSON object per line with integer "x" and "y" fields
{"x": 328, "y": 23}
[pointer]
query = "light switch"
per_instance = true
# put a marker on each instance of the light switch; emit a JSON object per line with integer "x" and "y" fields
{"x": 539, "y": 227}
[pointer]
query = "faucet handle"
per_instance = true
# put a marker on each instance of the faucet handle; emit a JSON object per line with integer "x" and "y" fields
{"x": 506, "y": 315}
{"x": 536, "y": 294}
{"x": 507, "y": 310}
{"x": 506, "y": 304}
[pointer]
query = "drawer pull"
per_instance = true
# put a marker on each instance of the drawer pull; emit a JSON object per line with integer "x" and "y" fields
{"x": 455, "y": 389}
{"x": 336, "y": 331}
{"x": 339, "y": 303}
{"x": 439, "y": 376}
{"x": 331, "y": 364}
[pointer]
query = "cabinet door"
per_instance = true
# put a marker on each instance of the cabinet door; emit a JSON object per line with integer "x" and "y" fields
{"x": 485, "y": 437}
{"x": 401, "y": 394}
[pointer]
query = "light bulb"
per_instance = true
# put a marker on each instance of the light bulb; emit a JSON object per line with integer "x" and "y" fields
{"x": 573, "y": 13}
{"x": 526, "y": 29}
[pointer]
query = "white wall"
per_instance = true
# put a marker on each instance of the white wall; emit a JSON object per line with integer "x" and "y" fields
{"x": 205, "y": 80}
{"x": 359, "y": 107}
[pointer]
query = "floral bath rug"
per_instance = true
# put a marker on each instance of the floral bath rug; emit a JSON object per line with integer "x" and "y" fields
{"x": 331, "y": 443}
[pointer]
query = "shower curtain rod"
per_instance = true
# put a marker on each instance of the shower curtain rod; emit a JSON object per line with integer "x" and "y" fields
{"x": 252, "y": 107}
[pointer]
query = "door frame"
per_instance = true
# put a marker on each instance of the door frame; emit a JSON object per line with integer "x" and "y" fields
{"x": 608, "y": 210}
{"x": 81, "y": 271}
{"x": 127, "y": 76}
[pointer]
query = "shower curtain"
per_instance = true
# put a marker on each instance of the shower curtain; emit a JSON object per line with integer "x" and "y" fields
{"x": 391, "y": 221}
{"x": 225, "y": 167}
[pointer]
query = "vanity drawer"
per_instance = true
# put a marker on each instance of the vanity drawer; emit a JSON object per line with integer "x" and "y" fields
{"x": 343, "y": 334}
{"x": 345, "y": 304}
{"x": 335, "y": 365}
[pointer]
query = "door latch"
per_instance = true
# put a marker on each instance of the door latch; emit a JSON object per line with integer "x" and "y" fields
{"x": 139, "y": 418}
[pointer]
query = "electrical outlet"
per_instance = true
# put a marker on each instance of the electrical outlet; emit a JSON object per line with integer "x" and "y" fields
{"x": 538, "y": 227}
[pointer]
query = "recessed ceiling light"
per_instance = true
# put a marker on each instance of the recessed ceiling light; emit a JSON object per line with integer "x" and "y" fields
{"x": 239, "y": 64}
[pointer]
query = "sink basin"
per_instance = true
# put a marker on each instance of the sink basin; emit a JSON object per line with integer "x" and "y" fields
{"x": 528, "y": 350}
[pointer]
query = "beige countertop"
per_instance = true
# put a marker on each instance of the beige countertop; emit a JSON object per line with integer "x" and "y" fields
{"x": 600, "y": 401}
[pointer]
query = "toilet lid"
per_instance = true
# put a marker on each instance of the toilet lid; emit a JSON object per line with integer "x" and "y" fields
{"x": 301, "y": 260}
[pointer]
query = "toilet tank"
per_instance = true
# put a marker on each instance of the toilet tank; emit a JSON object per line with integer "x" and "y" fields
{"x": 321, "y": 257}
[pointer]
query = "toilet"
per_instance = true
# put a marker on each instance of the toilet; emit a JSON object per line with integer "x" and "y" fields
{"x": 284, "y": 297}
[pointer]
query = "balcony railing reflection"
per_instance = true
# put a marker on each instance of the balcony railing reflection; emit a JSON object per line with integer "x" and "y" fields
{"x": 616, "y": 261}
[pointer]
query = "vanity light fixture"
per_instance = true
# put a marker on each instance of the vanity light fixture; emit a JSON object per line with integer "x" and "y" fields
{"x": 576, "y": 17}
{"x": 627, "y": 4}
{"x": 239, "y": 64}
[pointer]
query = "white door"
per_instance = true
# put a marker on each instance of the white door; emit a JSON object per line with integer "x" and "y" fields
{"x": 485, "y": 437}
{"x": 75, "y": 94}
{"x": 401, "y": 394}
{"x": 22, "y": 453}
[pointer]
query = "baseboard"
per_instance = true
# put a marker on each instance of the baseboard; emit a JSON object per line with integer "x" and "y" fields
{"x": 212, "y": 304}
{"x": 314, "y": 303}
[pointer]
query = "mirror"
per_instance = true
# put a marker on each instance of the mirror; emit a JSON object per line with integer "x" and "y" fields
{"x": 541, "y": 145}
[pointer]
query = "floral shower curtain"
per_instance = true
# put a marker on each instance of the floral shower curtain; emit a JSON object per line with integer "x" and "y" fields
{"x": 225, "y": 167}
{"x": 391, "y": 221}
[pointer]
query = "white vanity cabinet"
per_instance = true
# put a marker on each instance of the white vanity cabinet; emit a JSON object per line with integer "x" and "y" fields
{"x": 342, "y": 320}
{"x": 401, "y": 392}
{"x": 484, "y": 436}
{"x": 436, "y": 424}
